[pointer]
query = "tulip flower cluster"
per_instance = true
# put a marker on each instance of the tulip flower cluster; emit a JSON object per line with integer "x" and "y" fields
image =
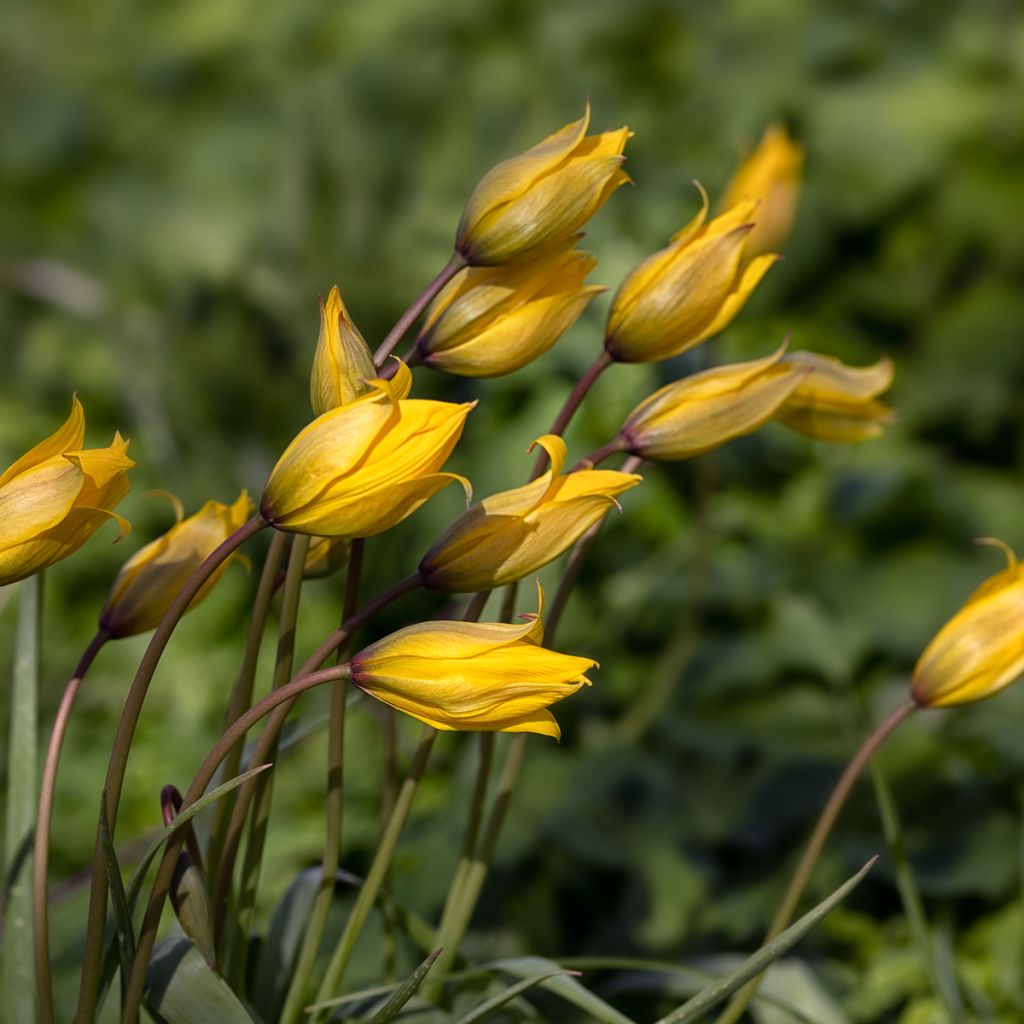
{"x": 372, "y": 456}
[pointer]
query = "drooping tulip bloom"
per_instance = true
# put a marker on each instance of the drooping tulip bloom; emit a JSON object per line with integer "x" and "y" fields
{"x": 980, "y": 651}
{"x": 56, "y": 496}
{"x": 687, "y": 292}
{"x": 151, "y": 579}
{"x": 836, "y": 402}
{"x": 343, "y": 365}
{"x": 707, "y": 409}
{"x": 361, "y": 468}
{"x": 770, "y": 176}
{"x": 490, "y": 321}
{"x": 488, "y": 677}
{"x": 512, "y": 534}
{"x": 542, "y": 197}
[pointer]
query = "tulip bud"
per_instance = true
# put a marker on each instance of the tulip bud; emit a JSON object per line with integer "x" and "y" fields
{"x": 542, "y": 197}
{"x": 770, "y": 176}
{"x": 514, "y": 533}
{"x": 688, "y": 292}
{"x": 705, "y": 410}
{"x": 343, "y": 365}
{"x": 361, "y": 468}
{"x": 56, "y": 496}
{"x": 325, "y": 556}
{"x": 835, "y": 402}
{"x": 980, "y": 651}
{"x": 489, "y": 677}
{"x": 152, "y": 578}
{"x": 490, "y": 321}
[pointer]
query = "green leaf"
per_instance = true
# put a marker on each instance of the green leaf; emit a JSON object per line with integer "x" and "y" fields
{"x": 18, "y": 971}
{"x": 389, "y": 1011}
{"x": 484, "y": 1009}
{"x": 118, "y": 898}
{"x": 564, "y": 987}
{"x": 181, "y": 988}
{"x": 764, "y": 957}
{"x": 284, "y": 938}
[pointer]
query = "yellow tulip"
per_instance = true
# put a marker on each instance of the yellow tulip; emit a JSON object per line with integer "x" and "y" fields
{"x": 490, "y": 321}
{"x": 488, "y": 677}
{"x": 771, "y": 177}
{"x": 835, "y": 402}
{"x": 543, "y": 196}
{"x": 687, "y": 292}
{"x": 56, "y": 496}
{"x": 514, "y": 533}
{"x": 361, "y": 468}
{"x": 707, "y": 409}
{"x": 343, "y": 365}
{"x": 151, "y": 579}
{"x": 980, "y": 651}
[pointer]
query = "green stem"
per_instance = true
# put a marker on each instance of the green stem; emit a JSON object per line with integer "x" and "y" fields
{"x": 910, "y": 896}
{"x": 445, "y": 937}
{"x": 378, "y": 869}
{"x": 809, "y": 859}
{"x": 235, "y": 733}
{"x": 92, "y": 956}
{"x": 395, "y": 335}
{"x": 249, "y": 881}
{"x": 44, "y": 825}
{"x": 334, "y": 809}
{"x": 275, "y": 723}
{"x": 241, "y": 694}
{"x": 18, "y": 990}
{"x": 476, "y": 871}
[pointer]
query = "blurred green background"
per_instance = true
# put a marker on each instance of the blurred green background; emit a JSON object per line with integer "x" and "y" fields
{"x": 179, "y": 183}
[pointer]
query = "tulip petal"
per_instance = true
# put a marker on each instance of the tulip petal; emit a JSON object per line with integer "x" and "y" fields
{"x": 38, "y": 498}
{"x": 69, "y": 437}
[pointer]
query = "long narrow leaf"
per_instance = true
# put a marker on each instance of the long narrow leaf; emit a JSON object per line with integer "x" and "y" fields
{"x": 139, "y": 874}
{"x": 118, "y": 899}
{"x": 564, "y": 987}
{"x": 390, "y": 1010}
{"x": 764, "y": 957}
{"x": 498, "y": 1001}
{"x": 18, "y": 971}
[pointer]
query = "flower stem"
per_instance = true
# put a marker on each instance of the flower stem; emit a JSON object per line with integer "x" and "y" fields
{"x": 235, "y": 733}
{"x": 44, "y": 824}
{"x": 16, "y": 990}
{"x": 241, "y": 695}
{"x": 284, "y": 662}
{"x": 378, "y": 869}
{"x": 910, "y": 897}
{"x": 334, "y": 808}
{"x": 572, "y": 403}
{"x": 268, "y": 738}
{"x": 809, "y": 859}
{"x": 406, "y": 320}
{"x": 596, "y": 457}
{"x": 92, "y": 956}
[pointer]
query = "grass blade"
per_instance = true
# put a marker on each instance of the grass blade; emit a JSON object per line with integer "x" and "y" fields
{"x": 118, "y": 899}
{"x": 764, "y": 957}
{"x": 389, "y": 1011}
{"x": 18, "y": 970}
{"x": 563, "y": 986}
{"x": 484, "y": 1009}
{"x": 181, "y": 988}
